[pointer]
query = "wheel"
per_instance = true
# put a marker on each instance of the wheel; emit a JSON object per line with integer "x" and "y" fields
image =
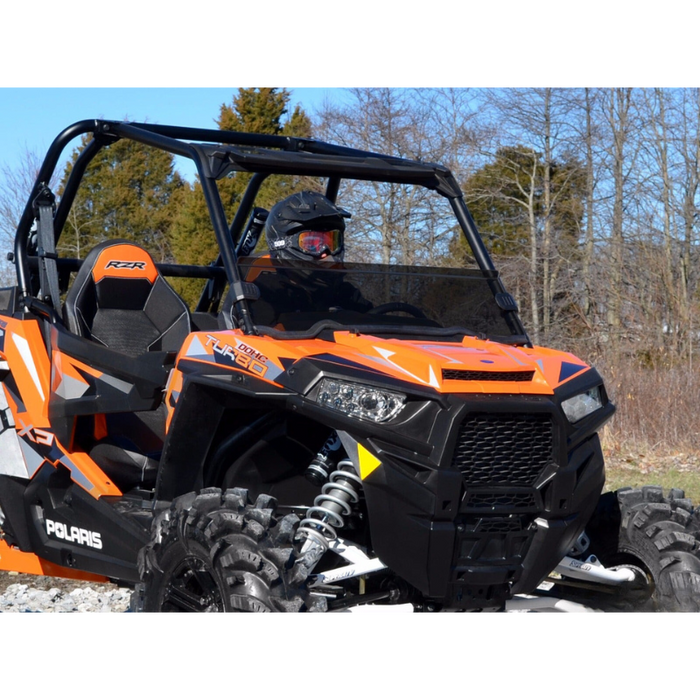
{"x": 397, "y": 306}
{"x": 214, "y": 551}
{"x": 654, "y": 535}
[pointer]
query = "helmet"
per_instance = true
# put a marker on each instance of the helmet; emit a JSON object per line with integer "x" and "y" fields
{"x": 306, "y": 226}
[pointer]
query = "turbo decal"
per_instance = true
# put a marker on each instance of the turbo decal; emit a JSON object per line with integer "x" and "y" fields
{"x": 76, "y": 535}
{"x": 239, "y": 354}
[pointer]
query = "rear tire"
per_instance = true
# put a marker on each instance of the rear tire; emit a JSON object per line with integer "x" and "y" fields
{"x": 215, "y": 551}
{"x": 653, "y": 533}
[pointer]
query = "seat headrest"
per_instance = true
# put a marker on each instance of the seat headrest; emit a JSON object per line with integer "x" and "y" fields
{"x": 124, "y": 261}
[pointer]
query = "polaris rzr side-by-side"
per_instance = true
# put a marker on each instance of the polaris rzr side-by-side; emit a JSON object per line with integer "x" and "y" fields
{"x": 314, "y": 434}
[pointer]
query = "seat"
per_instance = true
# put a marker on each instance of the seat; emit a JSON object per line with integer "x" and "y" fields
{"x": 120, "y": 300}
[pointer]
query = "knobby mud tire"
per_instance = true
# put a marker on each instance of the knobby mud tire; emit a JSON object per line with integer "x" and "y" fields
{"x": 215, "y": 551}
{"x": 655, "y": 534}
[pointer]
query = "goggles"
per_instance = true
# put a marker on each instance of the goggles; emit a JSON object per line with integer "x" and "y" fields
{"x": 320, "y": 242}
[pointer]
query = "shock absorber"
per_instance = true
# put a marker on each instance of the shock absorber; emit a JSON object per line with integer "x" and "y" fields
{"x": 325, "y": 461}
{"x": 329, "y": 510}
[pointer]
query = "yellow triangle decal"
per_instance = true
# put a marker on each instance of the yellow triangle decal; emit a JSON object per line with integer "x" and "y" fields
{"x": 368, "y": 462}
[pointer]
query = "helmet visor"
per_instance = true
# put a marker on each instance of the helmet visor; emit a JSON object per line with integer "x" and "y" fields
{"x": 320, "y": 242}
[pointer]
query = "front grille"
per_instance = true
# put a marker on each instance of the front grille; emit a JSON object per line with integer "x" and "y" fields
{"x": 468, "y": 375}
{"x": 496, "y": 500}
{"x": 503, "y": 449}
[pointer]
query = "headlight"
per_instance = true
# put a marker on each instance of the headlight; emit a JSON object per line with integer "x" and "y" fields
{"x": 582, "y": 405}
{"x": 359, "y": 400}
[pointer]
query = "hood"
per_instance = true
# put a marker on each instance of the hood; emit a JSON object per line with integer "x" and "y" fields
{"x": 478, "y": 366}
{"x": 472, "y": 366}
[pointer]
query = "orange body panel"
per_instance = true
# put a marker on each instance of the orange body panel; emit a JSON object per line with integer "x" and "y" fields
{"x": 418, "y": 362}
{"x": 12, "y": 559}
{"x": 172, "y": 392}
{"x": 26, "y": 354}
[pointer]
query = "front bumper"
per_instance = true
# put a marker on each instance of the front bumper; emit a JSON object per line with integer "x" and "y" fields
{"x": 470, "y": 536}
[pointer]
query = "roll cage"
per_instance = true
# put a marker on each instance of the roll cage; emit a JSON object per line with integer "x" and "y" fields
{"x": 215, "y": 154}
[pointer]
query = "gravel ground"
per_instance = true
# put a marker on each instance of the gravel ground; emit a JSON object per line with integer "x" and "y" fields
{"x": 22, "y": 593}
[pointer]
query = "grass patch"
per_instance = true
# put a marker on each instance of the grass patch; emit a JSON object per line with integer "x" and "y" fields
{"x": 668, "y": 471}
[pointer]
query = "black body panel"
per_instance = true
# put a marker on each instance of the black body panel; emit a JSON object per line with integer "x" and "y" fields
{"x": 122, "y": 526}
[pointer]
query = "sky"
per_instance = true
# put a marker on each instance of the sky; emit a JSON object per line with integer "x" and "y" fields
{"x": 30, "y": 118}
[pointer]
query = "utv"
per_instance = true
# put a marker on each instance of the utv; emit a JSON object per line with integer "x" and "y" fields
{"x": 241, "y": 457}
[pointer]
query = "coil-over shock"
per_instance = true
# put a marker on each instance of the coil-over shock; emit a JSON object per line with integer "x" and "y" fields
{"x": 335, "y": 503}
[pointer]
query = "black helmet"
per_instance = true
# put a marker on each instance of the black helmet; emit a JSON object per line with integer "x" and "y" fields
{"x": 306, "y": 226}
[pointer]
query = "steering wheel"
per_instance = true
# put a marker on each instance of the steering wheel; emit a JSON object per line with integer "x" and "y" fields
{"x": 397, "y": 306}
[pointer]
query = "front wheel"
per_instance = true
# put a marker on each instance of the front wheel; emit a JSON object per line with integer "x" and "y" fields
{"x": 215, "y": 551}
{"x": 653, "y": 534}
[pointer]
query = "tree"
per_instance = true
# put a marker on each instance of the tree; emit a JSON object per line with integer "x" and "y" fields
{"x": 15, "y": 187}
{"x": 620, "y": 121}
{"x": 261, "y": 111}
{"x": 497, "y": 194}
{"x": 539, "y": 120}
{"x": 393, "y": 223}
{"x": 254, "y": 110}
{"x": 129, "y": 191}
{"x": 516, "y": 213}
{"x": 689, "y": 186}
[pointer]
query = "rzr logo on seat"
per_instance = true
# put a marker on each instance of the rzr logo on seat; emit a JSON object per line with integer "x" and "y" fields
{"x": 126, "y": 264}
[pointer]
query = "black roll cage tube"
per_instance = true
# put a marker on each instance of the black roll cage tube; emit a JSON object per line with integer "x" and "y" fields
{"x": 214, "y": 155}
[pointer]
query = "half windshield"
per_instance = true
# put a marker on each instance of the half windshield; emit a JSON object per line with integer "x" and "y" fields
{"x": 304, "y": 299}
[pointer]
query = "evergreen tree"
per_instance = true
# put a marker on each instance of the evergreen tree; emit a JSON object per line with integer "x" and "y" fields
{"x": 498, "y": 195}
{"x": 129, "y": 191}
{"x": 254, "y": 110}
{"x": 505, "y": 197}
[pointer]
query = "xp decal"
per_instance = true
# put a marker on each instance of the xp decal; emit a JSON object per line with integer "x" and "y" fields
{"x": 36, "y": 435}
